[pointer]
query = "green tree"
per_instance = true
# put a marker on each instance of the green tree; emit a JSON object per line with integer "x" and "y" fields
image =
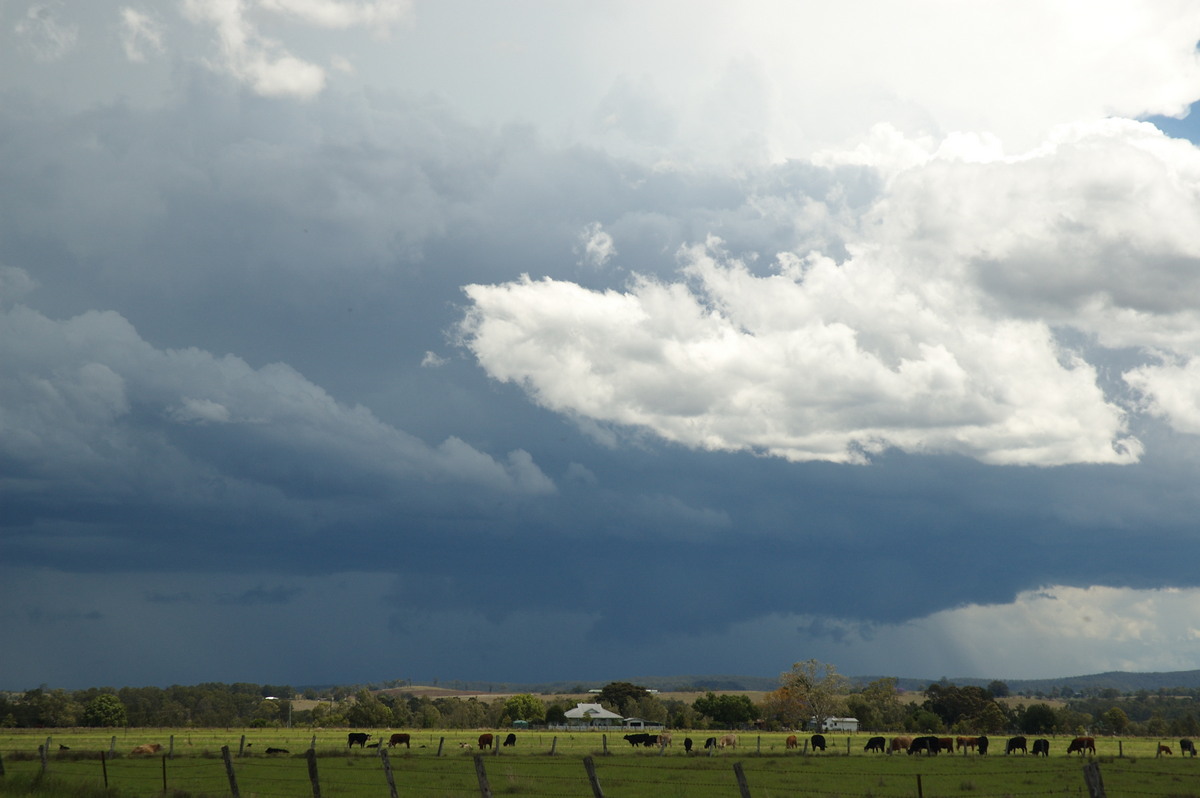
{"x": 104, "y": 710}
{"x": 883, "y": 699}
{"x": 1038, "y": 719}
{"x": 998, "y": 689}
{"x": 992, "y": 720}
{"x": 368, "y": 711}
{"x": 819, "y": 685}
{"x": 1115, "y": 720}
{"x": 524, "y": 706}
{"x": 614, "y": 695}
{"x": 726, "y": 710}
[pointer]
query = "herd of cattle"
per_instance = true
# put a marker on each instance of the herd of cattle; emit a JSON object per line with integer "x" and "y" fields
{"x": 929, "y": 745}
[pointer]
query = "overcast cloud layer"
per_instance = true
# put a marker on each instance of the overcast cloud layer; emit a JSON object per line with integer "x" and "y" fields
{"x": 561, "y": 341}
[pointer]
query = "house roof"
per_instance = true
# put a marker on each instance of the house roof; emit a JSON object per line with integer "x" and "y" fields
{"x": 591, "y": 712}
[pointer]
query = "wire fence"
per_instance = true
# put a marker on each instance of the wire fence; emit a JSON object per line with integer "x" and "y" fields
{"x": 462, "y": 773}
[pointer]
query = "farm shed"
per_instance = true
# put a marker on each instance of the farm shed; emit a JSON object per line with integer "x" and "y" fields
{"x": 837, "y": 724}
{"x": 639, "y": 723}
{"x": 591, "y": 715}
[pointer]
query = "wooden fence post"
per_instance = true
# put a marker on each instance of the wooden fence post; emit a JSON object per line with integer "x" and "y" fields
{"x": 604, "y": 743}
{"x": 387, "y": 772}
{"x": 104, "y": 769}
{"x": 42, "y": 755}
{"x": 441, "y": 742}
{"x": 553, "y": 745}
{"x": 312, "y": 773}
{"x": 1, "y": 765}
{"x": 112, "y": 746}
{"x": 758, "y": 744}
{"x": 920, "y": 791}
{"x": 171, "y": 748}
{"x": 233, "y": 788}
{"x": 164, "y": 766}
{"x": 590, "y": 767}
{"x": 1091, "y": 777}
{"x": 485, "y": 790}
{"x": 242, "y": 747}
{"x": 740, "y": 775}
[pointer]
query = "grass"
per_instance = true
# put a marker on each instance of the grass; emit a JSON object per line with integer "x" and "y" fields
{"x": 197, "y": 769}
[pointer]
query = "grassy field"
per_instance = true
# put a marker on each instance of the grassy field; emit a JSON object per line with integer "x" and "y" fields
{"x": 770, "y": 770}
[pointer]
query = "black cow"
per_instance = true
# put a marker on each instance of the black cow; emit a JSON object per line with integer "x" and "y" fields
{"x": 1041, "y": 747}
{"x": 981, "y": 743}
{"x": 357, "y": 737}
{"x": 876, "y": 744}
{"x": 641, "y": 738}
{"x": 927, "y": 744}
{"x": 1016, "y": 744}
{"x": 1187, "y": 747}
{"x": 511, "y": 739}
{"x": 818, "y": 742}
{"x": 711, "y": 742}
{"x": 687, "y": 745}
{"x": 277, "y": 751}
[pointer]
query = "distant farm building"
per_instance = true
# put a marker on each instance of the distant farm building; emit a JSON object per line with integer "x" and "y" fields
{"x": 592, "y": 715}
{"x": 836, "y": 725}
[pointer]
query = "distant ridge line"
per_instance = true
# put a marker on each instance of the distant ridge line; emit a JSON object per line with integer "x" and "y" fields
{"x": 1123, "y": 681}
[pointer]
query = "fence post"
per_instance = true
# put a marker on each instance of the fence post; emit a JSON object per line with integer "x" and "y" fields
{"x": 1091, "y": 777}
{"x": 387, "y": 772}
{"x": 112, "y": 746}
{"x": 2, "y": 766}
{"x": 441, "y": 742}
{"x": 103, "y": 769}
{"x": 590, "y": 767}
{"x": 42, "y": 755}
{"x": 312, "y": 773}
{"x": 312, "y": 746}
{"x": 242, "y": 747}
{"x": 485, "y": 791}
{"x": 1120, "y": 749}
{"x": 171, "y": 748}
{"x": 553, "y": 745}
{"x": 740, "y": 775}
{"x": 233, "y": 788}
{"x": 164, "y": 766}
{"x": 604, "y": 743}
{"x": 758, "y": 744}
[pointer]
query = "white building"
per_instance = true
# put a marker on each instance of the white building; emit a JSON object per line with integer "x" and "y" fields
{"x": 592, "y": 715}
{"x": 837, "y": 724}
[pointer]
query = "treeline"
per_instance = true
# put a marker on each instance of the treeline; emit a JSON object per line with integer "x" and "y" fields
{"x": 804, "y": 694}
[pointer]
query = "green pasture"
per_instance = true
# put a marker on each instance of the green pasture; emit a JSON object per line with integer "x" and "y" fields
{"x": 1129, "y": 766}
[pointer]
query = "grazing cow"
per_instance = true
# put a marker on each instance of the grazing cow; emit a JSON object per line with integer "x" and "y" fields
{"x": 1082, "y": 744}
{"x": 928, "y": 744}
{"x": 485, "y": 740}
{"x": 818, "y": 742}
{"x": 982, "y": 743}
{"x": 876, "y": 744}
{"x": 399, "y": 738}
{"x": 946, "y": 744}
{"x": 791, "y": 742}
{"x": 374, "y": 744}
{"x": 727, "y": 741}
{"x": 711, "y": 742}
{"x": 1016, "y": 744}
{"x": 357, "y": 737}
{"x": 1041, "y": 747}
{"x": 687, "y": 745}
{"x": 511, "y": 739}
{"x": 664, "y": 740}
{"x": 62, "y": 747}
{"x": 963, "y": 743}
{"x": 278, "y": 751}
{"x": 1187, "y": 747}
{"x": 641, "y": 738}
{"x": 147, "y": 748}
{"x": 1164, "y": 749}
{"x": 900, "y": 744}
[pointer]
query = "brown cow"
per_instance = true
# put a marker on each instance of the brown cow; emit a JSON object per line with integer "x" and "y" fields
{"x": 1082, "y": 744}
{"x": 399, "y": 738}
{"x": 946, "y": 744}
{"x": 728, "y": 741}
{"x": 1164, "y": 749}
{"x": 900, "y": 744}
{"x": 792, "y": 742}
{"x": 147, "y": 748}
{"x": 965, "y": 743}
{"x": 485, "y": 740}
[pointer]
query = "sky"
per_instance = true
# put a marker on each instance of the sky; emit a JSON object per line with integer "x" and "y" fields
{"x": 344, "y": 341}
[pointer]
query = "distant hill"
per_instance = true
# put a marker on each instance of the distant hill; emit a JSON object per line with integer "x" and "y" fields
{"x": 1125, "y": 682}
